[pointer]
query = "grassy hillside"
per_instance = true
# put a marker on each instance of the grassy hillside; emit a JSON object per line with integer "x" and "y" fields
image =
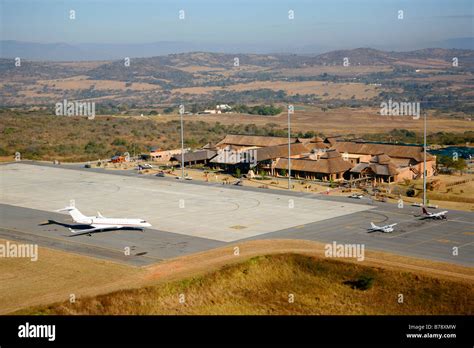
{"x": 39, "y": 136}
{"x": 262, "y": 285}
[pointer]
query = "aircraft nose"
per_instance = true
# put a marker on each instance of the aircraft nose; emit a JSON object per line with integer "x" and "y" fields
{"x": 147, "y": 224}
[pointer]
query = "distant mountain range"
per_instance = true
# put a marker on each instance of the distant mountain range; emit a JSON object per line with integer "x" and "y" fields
{"x": 90, "y": 51}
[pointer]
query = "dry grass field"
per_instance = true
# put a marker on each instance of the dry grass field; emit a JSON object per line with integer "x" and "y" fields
{"x": 218, "y": 282}
{"x": 326, "y": 90}
{"x": 83, "y": 82}
{"x": 283, "y": 284}
{"x": 340, "y": 121}
{"x": 352, "y": 71}
{"x": 455, "y": 189}
{"x": 55, "y": 276}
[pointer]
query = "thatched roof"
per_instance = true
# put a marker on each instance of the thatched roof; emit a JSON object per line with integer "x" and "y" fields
{"x": 253, "y": 140}
{"x": 273, "y": 152}
{"x": 331, "y": 154}
{"x": 209, "y": 146}
{"x": 332, "y": 140}
{"x": 331, "y": 164}
{"x": 398, "y": 151}
{"x": 195, "y": 156}
{"x": 316, "y": 145}
{"x": 380, "y": 164}
{"x": 381, "y": 159}
{"x": 317, "y": 140}
{"x": 378, "y": 169}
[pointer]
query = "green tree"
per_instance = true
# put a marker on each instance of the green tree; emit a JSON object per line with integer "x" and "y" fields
{"x": 460, "y": 165}
{"x": 457, "y": 164}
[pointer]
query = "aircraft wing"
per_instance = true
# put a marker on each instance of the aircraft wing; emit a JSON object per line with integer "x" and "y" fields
{"x": 92, "y": 230}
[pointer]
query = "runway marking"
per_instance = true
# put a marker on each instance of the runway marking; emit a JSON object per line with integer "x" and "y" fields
{"x": 430, "y": 240}
{"x": 393, "y": 212}
{"x": 446, "y": 241}
{"x": 463, "y": 245}
{"x": 415, "y": 230}
{"x": 463, "y": 222}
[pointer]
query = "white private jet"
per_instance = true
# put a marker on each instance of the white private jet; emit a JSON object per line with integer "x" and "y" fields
{"x": 100, "y": 223}
{"x": 384, "y": 229}
{"x": 438, "y": 216}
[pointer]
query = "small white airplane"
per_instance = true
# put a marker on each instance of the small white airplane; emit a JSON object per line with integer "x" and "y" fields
{"x": 384, "y": 229}
{"x": 100, "y": 223}
{"x": 438, "y": 216}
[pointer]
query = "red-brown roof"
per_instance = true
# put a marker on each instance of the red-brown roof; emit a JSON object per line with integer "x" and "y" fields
{"x": 398, "y": 151}
{"x": 332, "y": 163}
{"x": 253, "y": 140}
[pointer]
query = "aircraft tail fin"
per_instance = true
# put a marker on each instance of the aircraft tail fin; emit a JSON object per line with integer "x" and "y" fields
{"x": 74, "y": 212}
{"x": 424, "y": 211}
{"x": 373, "y": 225}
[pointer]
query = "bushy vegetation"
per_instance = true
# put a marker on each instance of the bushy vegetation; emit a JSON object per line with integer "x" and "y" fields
{"x": 364, "y": 282}
{"x": 458, "y": 164}
{"x": 263, "y": 285}
{"x": 265, "y": 110}
{"x": 410, "y": 137}
{"x": 38, "y": 136}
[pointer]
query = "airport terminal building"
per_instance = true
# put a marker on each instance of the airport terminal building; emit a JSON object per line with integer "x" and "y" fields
{"x": 330, "y": 159}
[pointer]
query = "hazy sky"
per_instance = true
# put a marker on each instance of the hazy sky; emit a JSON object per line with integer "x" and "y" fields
{"x": 323, "y": 23}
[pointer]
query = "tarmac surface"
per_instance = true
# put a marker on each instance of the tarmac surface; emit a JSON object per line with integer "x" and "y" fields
{"x": 193, "y": 216}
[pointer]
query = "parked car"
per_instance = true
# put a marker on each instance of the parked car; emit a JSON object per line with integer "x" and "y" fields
{"x": 186, "y": 177}
{"x": 160, "y": 174}
{"x": 142, "y": 166}
{"x": 356, "y": 196}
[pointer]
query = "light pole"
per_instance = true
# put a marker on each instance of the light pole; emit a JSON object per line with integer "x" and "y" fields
{"x": 290, "y": 111}
{"x": 181, "y": 112}
{"x": 424, "y": 160}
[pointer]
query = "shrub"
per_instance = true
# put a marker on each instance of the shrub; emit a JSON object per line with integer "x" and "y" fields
{"x": 364, "y": 282}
